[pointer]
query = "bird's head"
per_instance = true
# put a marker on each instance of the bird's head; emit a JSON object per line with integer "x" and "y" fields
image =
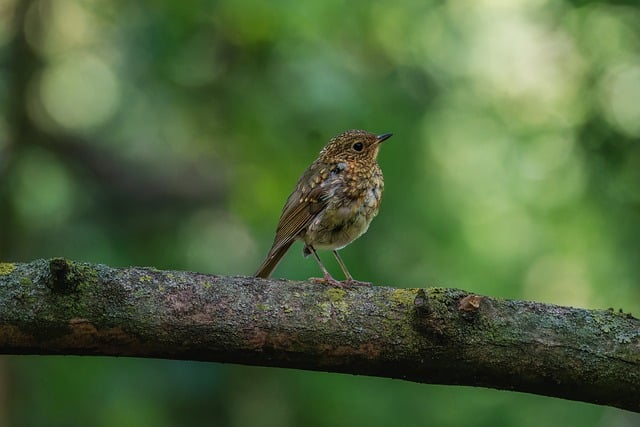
{"x": 353, "y": 146}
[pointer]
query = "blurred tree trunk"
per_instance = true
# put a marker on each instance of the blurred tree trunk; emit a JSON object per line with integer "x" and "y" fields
{"x": 434, "y": 335}
{"x": 24, "y": 65}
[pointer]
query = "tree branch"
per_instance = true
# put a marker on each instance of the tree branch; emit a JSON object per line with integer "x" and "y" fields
{"x": 434, "y": 335}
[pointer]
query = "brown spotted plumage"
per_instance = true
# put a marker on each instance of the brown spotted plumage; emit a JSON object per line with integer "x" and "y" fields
{"x": 333, "y": 202}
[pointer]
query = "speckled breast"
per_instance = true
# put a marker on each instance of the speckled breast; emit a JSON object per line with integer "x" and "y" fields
{"x": 347, "y": 215}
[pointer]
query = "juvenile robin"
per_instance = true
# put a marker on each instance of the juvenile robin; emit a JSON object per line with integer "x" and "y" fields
{"x": 333, "y": 202}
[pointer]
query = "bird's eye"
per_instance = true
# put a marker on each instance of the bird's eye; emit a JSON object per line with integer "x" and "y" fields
{"x": 358, "y": 146}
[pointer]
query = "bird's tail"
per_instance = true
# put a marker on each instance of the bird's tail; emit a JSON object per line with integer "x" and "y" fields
{"x": 272, "y": 260}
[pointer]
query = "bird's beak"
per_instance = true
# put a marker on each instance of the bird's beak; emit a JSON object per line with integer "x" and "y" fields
{"x": 383, "y": 137}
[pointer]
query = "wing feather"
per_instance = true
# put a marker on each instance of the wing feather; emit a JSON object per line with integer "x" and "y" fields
{"x": 307, "y": 200}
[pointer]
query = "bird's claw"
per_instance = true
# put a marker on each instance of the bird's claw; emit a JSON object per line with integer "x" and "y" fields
{"x": 328, "y": 280}
{"x": 354, "y": 282}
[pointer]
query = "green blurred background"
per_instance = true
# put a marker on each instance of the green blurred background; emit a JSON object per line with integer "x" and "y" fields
{"x": 169, "y": 134}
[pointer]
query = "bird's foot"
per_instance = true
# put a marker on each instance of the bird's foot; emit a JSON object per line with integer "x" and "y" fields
{"x": 328, "y": 280}
{"x": 354, "y": 282}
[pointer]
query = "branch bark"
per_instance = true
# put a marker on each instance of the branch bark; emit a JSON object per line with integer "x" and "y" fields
{"x": 433, "y": 335}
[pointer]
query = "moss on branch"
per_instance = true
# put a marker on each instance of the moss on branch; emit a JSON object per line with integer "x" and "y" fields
{"x": 433, "y": 335}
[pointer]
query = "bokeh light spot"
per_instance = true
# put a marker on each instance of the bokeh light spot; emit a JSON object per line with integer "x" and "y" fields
{"x": 620, "y": 98}
{"x": 216, "y": 242}
{"x": 79, "y": 92}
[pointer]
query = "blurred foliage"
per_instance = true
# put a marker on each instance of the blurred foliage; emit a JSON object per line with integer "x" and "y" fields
{"x": 170, "y": 133}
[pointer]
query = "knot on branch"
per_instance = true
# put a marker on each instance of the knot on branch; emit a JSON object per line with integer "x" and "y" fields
{"x": 63, "y": 276}
{"x": 439, "y": 311}
{"x": 421, "y": 304}
{"x": 469, "y": 305}
{"x": 430, "y": 318}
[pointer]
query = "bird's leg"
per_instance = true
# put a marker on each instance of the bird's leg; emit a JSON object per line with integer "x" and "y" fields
{"x": 350, "y": 280}
{"x": 327, "y": 278}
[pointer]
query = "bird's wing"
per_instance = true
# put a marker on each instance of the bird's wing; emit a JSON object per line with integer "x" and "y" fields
{"x": 310, "y": 197}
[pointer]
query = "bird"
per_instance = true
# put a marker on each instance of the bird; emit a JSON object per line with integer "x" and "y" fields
{"x": 332, "y": 203}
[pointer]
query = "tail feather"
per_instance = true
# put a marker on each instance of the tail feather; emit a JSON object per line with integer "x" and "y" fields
{"x": 272, "y": 260}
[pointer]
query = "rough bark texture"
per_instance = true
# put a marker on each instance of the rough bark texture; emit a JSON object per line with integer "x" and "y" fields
{"x": 433, "y": 335}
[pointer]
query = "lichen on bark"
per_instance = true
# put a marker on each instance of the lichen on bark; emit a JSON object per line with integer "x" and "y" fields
{"x": 431, "y": 335}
